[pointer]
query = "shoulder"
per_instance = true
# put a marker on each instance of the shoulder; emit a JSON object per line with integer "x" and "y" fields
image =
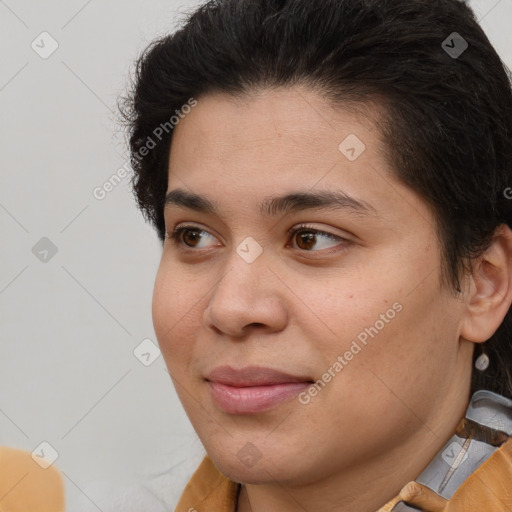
{"x": 489, "y": 487}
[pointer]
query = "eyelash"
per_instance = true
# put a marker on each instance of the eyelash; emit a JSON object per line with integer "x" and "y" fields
{"x": 175, "y": 237}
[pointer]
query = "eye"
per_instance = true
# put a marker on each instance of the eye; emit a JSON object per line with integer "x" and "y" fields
{"x": 190, "y": 236}
{"x": 307, "y": 238}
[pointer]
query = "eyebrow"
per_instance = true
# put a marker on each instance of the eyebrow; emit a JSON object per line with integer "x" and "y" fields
{"x": 278, "y": 205}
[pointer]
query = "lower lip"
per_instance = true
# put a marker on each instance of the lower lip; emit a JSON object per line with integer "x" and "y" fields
{"x": 253, "y": 399}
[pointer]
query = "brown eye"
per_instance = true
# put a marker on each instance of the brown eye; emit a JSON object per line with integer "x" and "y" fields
{"x": 190, "y": 236}
{"x": 308, "y": 239}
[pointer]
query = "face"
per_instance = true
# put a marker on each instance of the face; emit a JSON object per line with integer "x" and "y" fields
{"x": 337, "y": 286}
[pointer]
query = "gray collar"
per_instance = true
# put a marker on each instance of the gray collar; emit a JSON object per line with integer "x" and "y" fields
{"x": 461, "y": 456}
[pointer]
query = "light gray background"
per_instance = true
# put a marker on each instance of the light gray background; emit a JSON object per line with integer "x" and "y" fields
{"x": 69, "y": 325}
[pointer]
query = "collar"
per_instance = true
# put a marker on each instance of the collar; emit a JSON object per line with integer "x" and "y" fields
{"x": 486, "y": 426}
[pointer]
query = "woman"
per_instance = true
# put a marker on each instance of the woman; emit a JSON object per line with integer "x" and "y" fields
{"x": 330, "y": 181}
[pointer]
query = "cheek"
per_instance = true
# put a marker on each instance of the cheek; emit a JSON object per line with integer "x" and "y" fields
{"x": 379, "y": 328}
{"x": 163, "y": 304}
{"x": 175, "y": 311}
{"x": 401, "y": 365}
{"x": 336, "y": 312}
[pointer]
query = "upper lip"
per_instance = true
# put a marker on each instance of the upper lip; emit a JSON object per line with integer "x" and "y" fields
{"x": 252, "y": 376}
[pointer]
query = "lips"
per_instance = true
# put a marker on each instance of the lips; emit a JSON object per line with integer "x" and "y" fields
{"x": 253, "y": 389}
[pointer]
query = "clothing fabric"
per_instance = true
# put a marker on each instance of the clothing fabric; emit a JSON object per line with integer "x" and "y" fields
{"x": 471, "y": 473}
{"x": 25, "y": 486}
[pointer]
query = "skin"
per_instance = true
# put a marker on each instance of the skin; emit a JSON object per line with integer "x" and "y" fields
{"x": 297, "y": 307}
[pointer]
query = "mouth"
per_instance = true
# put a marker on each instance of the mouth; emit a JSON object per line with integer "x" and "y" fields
{"x": 253, "y": 389}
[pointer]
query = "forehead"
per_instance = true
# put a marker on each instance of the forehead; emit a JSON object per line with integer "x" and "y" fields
{"x": 287, "y": 118}
{"x": 281, "y": 131}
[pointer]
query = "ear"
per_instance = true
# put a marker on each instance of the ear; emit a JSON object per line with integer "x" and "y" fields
{"x": 489, "y": 293}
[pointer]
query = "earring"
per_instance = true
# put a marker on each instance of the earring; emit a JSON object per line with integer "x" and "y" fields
{"x": 482, "y": 362}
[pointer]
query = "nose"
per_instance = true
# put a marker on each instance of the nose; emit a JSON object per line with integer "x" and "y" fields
{"x": 247, "y": 297}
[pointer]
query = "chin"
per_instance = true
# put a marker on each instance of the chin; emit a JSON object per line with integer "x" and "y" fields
{"x": 249, "y": 466}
